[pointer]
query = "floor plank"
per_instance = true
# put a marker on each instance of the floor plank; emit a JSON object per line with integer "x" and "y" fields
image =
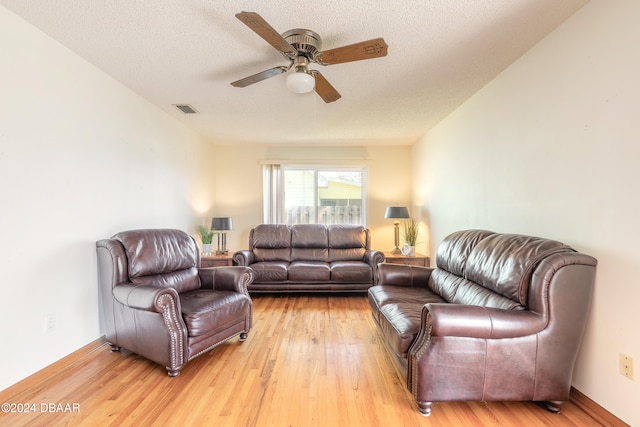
{"x": 310, "y": 360}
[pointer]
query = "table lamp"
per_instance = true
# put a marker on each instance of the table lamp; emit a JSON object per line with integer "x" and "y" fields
{"x": 220, "y": 226}
{"x": 396, "y": 212}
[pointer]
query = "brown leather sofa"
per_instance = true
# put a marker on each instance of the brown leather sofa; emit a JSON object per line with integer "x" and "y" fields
{"x": 500, "y": 318}
{"x": 310, "y": 257}
{"x": 155, "y": 300}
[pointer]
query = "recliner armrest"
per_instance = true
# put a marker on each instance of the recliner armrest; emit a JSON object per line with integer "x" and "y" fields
{"x": 144, "y": 297}
{"x": 473, "y": 321}
{"x": 403, "y": 275}
{"x": 235, "y": 278}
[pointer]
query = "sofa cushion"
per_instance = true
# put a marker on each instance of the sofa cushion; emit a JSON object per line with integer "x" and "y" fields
{"x": 271, "y": 242}
{"x": 504, "y": 263}
{"x": 445, "y": 284}
{"x": 165, "y": 257}
{"x": 347, "y": 242}
{"x": 454, "y": 250}
{"x": 458, "y": 290}
{"x": 181, "y": 280}
{"x": 206, "y": 312}
{"x": 400, "y": 324}
{"x": 351, "y": 272}
{"x": 470, "y": 293}
{"x": 381, "y": 295}
{"x": 309, "y": 242}
{"x": 309, "y": 271}
{"x": 271, "y": 271}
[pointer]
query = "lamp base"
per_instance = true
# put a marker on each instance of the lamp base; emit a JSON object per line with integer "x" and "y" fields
{"x": 222, "y": 244}
{"x": 396, "y": 251}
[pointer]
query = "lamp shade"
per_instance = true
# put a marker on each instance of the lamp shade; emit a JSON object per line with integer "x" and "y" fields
{"x": 397, "y": 212}
{"x": 222, "y": 223}
{"x": 300, "y": 82}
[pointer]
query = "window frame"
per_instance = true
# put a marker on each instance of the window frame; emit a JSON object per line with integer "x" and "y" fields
{"x": 274, "y": 197}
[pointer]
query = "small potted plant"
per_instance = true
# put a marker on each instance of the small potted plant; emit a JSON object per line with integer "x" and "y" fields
{"x": 206, "y": 236}
{"x": 410, "y": 235}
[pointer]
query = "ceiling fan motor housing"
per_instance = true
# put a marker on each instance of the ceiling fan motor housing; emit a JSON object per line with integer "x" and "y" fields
{"x": 306, "y": 42}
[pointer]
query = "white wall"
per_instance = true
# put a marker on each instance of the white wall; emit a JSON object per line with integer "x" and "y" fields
{"x": 81, "y": 157}
{"x": 551, "y": 147}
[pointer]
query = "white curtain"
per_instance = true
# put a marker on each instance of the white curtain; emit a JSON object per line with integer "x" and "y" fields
{"x": 272, "y": 193}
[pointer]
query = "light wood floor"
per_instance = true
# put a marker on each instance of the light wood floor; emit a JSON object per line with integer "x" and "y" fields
{"x": 308, "y": 361}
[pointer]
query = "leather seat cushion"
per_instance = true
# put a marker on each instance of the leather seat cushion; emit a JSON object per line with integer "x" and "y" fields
{"x": 400, "y": 324}
{"x": 206, "y": 311}
{"x": 270, "y": 271}
{"x": 309, "y": 271}
{"x": 351, "y": 272}
{"x": 382, "y": 295}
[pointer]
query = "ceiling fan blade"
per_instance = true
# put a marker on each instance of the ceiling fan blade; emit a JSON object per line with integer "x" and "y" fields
{"x": 324, "y": 89}
{"x": 267, "y": 32}
{"x": 369, "y": 49}
{"x": 260, "y": 76}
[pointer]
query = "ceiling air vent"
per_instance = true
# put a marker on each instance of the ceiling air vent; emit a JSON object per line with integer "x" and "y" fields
{"x": 186, "y": 108}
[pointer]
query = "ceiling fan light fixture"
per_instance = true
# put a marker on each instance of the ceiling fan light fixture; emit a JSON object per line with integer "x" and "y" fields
{"x": 300, "y": 82}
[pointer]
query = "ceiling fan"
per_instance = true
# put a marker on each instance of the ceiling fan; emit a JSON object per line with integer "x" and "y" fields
{"x": 302, "y": 47}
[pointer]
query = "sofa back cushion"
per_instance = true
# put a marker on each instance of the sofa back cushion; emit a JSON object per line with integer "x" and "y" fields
{"x": 309, "y": 242}
{"x": 479, "y": 267}
{"x": 271, "y": 242}
{"x": 347, "y": 242}
{"x": 470, "y": 293}
{"x": 162, "y": 257}
{"x": 503, "y": 263}
{"x": 454, "y": 250}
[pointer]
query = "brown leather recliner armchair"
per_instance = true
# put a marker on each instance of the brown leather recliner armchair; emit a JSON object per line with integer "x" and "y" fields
{"x": 156, "y": 301}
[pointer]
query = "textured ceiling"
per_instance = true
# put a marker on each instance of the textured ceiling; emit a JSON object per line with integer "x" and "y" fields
{"x": 188, "y": 51}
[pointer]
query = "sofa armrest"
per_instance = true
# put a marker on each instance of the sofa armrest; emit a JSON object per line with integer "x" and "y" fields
{"x": 145, "y": 297}
{"x": 373, "y": 258}
{"x": 472, "y": 321}
{"x": 235, "y": 278}
{"x": 403, "y": 275}
{"x": 243, "y": 258}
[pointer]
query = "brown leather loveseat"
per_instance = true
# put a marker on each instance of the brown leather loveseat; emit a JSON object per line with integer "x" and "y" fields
{"x": 310, "y": 257}
{"x": 155, "y": 300}
{"x": 500, "y": 318}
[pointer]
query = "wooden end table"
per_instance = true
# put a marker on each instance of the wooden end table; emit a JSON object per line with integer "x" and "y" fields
{"x": 213, "y": 260}
{"x": 417, "y": 259}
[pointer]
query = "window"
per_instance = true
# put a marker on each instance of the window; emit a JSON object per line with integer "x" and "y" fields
{"x": 314, "y": 195}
